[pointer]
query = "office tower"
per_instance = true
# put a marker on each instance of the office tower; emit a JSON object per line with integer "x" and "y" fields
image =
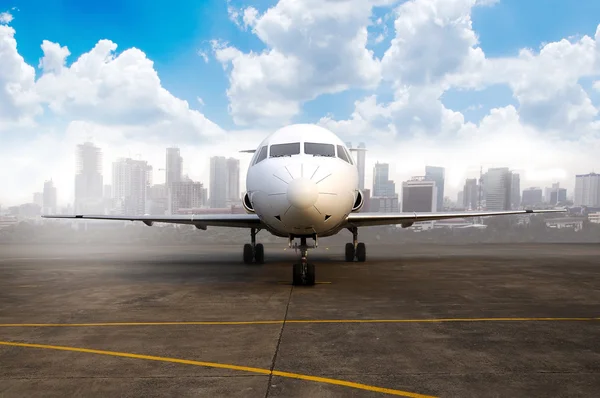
{"x": 497, "y": 187}
{"x": 532, "y": 196}
{"x": 460, "y": 199}
{"x": 49, "y": 198}
{"x": 382, "y": 185}
{"x": 130, "y": 185}
{"x": 218, "y": 182}
{"x": 419, "y": 194}
{"x": 187, "y": 194}
{"x": 433, "y": 173}
{"x": 174, "y": 169}
{"x": 361, "y": 153}
{"x": 587, "y": 190}
{"x": 471, "y": 194}
{"x": 515, "y": 189}
{"x": 556, "y": 194}
{"x": 88, "y": 179}
{"x": 233, "y": 181}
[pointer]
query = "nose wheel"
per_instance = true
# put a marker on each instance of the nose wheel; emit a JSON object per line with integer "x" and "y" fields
{"x": 303, "y": 273}
{"x": 355, "y": 249}
{"x": 254, "y": 251}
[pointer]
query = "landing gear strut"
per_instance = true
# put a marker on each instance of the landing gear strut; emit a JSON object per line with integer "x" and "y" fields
{"x": 355, "y": 249}
{"x": 254, "y": 251}
{"x": 303, "y": 272}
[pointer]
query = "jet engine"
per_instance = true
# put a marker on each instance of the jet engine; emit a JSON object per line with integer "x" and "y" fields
{"x": 247, "y": 204}
{"x": 358, "y": 202}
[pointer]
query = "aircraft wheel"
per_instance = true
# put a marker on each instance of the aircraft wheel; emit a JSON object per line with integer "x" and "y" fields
{"x": 259, "y": 253}
{"x": 349, "y": 252}
{"x": 310, "y": 274}
{"x": 361, "y": 252}
{"x": 297, "y": 275}
{"x": 248, "y": 253}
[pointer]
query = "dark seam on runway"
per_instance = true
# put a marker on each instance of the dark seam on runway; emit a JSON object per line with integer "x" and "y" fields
{"x": 287, "y": 307}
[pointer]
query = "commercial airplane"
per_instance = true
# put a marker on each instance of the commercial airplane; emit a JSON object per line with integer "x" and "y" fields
{"x": 302, "y": 183}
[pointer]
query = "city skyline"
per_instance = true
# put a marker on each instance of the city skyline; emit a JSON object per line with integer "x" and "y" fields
{"x": 495, "y": 97}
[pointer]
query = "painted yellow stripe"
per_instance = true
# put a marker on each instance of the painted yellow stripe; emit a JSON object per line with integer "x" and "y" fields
{"x": 301, "y": 321}
{"x": 248, "y": 369}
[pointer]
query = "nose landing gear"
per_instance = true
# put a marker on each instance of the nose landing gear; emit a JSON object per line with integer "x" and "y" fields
{"x": 303, "y": 272}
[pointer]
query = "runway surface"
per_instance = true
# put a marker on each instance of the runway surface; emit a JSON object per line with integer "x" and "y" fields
{"x": 415, "y": 321}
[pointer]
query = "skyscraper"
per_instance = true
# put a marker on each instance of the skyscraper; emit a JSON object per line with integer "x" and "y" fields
{"x": 233, "y": 181}
{"x": 218, "y": 182}
{"x": 587, "y": 190}
{"x": 471, "y": 194}
{"x": 49, "y": 198}
{"x": 532, "y": 196}
{"x": 174, "y": 166}
{"x": 497, "y": 185}
{"x": 130, "y": 185}
{"x": 433, "y": 173}
{"x": 382, "y": 185}
{"x": 515, "y": 189}
{"x": 88, "y": 179}
{"x": 419, "y": 194}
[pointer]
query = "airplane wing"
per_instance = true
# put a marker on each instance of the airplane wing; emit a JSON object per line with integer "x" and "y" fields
{"x": 407, "y": 219}
{"x": 201, "y": 221}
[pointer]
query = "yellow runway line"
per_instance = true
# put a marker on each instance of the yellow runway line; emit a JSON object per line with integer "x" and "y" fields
{"x": 302, "y": 321}
{"x": 248, "y": 369}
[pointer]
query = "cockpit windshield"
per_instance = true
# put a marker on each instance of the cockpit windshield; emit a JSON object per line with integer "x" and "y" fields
{"x": 319, "y": 149}
{"x": 279, "y": 150}
{"x": 342, "y": 154}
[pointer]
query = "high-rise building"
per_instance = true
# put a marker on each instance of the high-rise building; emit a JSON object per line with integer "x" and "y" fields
{"x": 188, "y": 194}
{"x": 460, "y": 199}
{"x": 174, "y": 169}
{"x": 49, "y": 198}
{"x": 471, "y": 194}
{"x": 419, "y": 194}
{"x": 532, "y": 196}
{"x": 515, "y": 189}
{"x": 555, "y": 194}
{"x": 437, "y": 174}
{"x": 130, "y": 185}
{"x": 382, "y": 185}
{"x": 497, "y": 186}
{"x": 88, "y": 179}
{"x": 219, "y": 182}
{"x": 587, "y": 190}
{"x": 233, "y": 181}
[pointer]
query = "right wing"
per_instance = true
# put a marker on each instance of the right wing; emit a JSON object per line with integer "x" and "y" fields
{"x": 201, "y": 221}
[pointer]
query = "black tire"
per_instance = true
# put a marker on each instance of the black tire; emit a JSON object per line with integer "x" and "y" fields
{"x": 259, "y": 253}
{"x": 310, "y": 275}
{"x": 297, "y": 275}
{"x": 248, "y": 253}
{"x": 349, "y": 252}
{"x": 361, "y": 252}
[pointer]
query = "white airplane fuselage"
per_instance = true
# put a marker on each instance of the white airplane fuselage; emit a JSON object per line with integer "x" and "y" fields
{"x": 302, "y": 181}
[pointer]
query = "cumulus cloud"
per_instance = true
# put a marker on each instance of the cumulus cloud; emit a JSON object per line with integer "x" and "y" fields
{"x": 313, "y": 47}
{"x": 6, "y": 17}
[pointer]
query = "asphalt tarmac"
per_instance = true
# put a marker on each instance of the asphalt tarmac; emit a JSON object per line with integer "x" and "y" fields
{"x": 414, "y": 321}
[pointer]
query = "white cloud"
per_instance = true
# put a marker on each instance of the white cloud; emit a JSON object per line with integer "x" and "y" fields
{"x": 313, "y": 47}
{"x": 6, "y": 17}
{"x": 596, "y": 85}
{"x": 250, "y": 16}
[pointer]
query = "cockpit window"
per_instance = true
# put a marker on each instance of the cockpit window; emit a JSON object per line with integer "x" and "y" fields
{"x": 318, "y": 149}
{"x": 290, "y": 149}
{"x": 342, "y": 154}
{"x": 262, "y": 155}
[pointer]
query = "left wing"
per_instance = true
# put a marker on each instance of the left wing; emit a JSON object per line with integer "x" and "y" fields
{"x": 408, "y": 219}
{"x": 201, "y": 221}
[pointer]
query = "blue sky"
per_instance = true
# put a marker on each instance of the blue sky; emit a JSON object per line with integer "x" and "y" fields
{"x": 171, "y": 33}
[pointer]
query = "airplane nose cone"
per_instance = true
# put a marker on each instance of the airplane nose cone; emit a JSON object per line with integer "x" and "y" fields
{"x": 302, "y": 193}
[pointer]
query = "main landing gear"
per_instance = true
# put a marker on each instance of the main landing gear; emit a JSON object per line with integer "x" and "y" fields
{"x": 254, "y": 251}
{"x": 303, "y": 272}
{"x": 355, "y": 249}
